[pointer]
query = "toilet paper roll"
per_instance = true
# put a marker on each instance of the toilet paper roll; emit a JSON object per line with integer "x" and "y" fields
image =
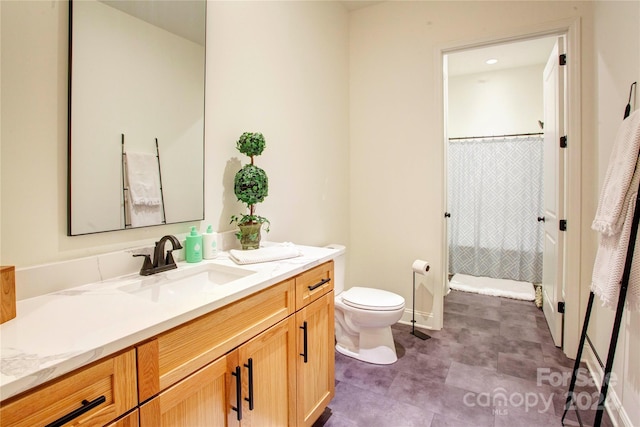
{"x": 421, "y": 267}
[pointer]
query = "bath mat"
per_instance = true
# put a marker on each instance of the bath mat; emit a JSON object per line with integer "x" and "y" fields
{"x": 494, "y": 287}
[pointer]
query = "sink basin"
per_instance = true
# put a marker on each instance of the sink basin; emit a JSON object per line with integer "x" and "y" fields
{"x": 192, "y": 283}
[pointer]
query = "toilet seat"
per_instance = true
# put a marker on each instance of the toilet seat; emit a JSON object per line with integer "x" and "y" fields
{"x": 372, "y": 299}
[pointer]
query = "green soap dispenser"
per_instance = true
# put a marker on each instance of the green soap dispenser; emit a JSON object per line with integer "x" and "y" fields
{"x": 193, "y": 246}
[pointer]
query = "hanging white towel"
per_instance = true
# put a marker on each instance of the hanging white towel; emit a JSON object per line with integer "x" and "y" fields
{"x": 616, "y": 232}
{"x": 144, "y": 199}
{"x": 142, "y": 215}
{"x": 610, "y": 214}
{"x": 144, "y": 179}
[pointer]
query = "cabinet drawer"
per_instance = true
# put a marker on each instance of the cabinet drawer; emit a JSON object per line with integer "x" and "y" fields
{"x": 314, "y": 283}
{"x": 96, "y": 395}
{"x": 177, "y": 353}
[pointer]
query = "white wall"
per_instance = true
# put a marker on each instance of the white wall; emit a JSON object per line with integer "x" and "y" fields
{"x": 617, "y": 54}
{"x": 280, "y": 68}
{"x": 397, "y": 166}
{"x": 501, "y": 102}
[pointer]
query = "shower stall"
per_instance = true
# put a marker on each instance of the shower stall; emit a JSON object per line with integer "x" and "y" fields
{"x": 495, "y": 198}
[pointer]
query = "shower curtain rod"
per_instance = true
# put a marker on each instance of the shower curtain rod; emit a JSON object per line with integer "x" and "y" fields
{"x": 496, "y": 136}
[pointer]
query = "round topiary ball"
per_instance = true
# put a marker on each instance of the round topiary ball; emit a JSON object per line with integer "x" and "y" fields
{"x": 251, "y": 184}
{"x": 251, "y": 143}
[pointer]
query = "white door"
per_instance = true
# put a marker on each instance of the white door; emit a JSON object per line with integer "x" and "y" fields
{"x": 552, "y": 272}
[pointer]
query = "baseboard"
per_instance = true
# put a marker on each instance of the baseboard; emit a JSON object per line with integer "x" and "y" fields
{"x": 424, "y": 319}
{"x": 613, "y": 405}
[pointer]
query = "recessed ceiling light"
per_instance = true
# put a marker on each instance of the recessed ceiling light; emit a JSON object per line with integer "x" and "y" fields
{"x": 491, "y": 61}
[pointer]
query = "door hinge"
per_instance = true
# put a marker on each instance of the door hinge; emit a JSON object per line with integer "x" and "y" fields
{"x": 563, "y": 225}
{"x": 563, "y": 141}
{"x": 563, "y": 59}
{"x": 560, "y": 306}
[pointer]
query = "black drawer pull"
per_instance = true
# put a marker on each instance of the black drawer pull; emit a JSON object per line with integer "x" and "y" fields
{"x": 249, "y": 366}
{"x": 320, "y": 283}
{"x": 305, "y": 345}
{"x": 238, "y": 375}
{"x": 86, "y": 407}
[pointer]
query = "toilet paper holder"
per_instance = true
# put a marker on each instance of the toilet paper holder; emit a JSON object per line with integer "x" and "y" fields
{"x": 419, "y": 267}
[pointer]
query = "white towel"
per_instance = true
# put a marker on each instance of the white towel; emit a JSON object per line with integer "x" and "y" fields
{"x": 610, "y": 214}
{"x": 144, "y": 200}
{"x": 143, "y": 215}
{"x": 506, "y": 288}
{"x": 143, "y": 179}
{"x": 616, "y": 232}
{"x": 266, "y": 254}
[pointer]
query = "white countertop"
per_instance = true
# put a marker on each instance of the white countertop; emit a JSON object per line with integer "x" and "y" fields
{"x": 59, "y": 332}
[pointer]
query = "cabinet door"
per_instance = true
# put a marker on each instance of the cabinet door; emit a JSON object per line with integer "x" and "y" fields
{"x": 268, "y": 366}
{"x": 316, "y": 381}
{"x": 201, "y": 399}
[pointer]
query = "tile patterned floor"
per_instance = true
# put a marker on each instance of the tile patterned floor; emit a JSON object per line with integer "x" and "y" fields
{"x": 493, "y": 364}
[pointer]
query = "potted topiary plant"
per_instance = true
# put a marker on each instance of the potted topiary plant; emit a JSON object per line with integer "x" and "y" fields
{"x": 251, "y": 186}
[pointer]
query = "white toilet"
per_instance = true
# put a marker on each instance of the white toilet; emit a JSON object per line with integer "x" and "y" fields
{"x": 363, "y": 319}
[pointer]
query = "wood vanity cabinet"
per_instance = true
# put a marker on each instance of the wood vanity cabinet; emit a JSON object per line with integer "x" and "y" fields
{"x": 264, "y": 360}
{"x": 255, "y": 362}
{"x": 91, "y": 396}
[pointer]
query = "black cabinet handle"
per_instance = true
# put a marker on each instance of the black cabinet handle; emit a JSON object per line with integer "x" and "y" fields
{"x": 447, "y": 215}
{"x": 238, "y": 375}
{"x": 540, "y": 219}
{"x": 320, "y": 283}
{"x": 86, "y": 407}
{"x": 304, "y": 342}
{"x": 249, "y": 366}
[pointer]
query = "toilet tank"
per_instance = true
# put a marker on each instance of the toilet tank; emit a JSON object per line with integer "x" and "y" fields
{"x": 339, "y": 268}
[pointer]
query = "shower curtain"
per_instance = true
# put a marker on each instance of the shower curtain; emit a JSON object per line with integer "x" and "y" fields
{"x": 494, "y": 197}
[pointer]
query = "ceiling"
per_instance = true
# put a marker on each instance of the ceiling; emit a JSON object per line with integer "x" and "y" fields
{"x": 510, "y": 55}
{"x": 186, "y": 18}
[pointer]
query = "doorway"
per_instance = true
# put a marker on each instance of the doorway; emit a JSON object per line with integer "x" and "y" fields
{"x": 518, "y": 56}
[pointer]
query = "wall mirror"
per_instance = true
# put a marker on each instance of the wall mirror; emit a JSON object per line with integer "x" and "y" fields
{"x": 136, "y": 113}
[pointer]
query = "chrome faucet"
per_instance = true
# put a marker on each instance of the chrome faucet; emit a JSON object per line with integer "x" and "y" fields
{"x": 160, "y": 261}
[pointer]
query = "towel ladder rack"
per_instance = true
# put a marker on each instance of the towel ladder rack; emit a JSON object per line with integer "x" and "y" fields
{"x": 125, "y": 199}
{"x": 624, "y": 285}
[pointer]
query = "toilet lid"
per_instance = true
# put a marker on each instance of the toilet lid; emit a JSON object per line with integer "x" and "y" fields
{"x": 372, "y": 299}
